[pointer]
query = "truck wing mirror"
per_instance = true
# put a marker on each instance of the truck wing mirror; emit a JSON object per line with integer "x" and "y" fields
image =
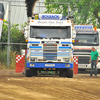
{"x": 73, "y": 34}
{"x": 25, "y": 32}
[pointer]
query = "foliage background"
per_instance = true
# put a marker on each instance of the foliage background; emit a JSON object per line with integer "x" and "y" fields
{"x": 16, "y": 37}
{"x": 83, "y": 11}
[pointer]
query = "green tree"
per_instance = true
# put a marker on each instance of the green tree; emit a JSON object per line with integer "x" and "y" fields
{"x": 16, "y": 35}
{"x": 84, "y": 11}
{"x": 56, "y": 8}
{"x": 88, "y": 11}
{"x": 4, "y": 34}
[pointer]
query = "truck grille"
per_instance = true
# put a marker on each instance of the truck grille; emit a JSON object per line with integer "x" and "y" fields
{"x": 83, "y": 60}
{"x": 50, "y": 52}
{"x": 83, "y": 56}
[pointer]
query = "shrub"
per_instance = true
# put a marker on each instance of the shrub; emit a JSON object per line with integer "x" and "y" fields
{"x": 3, "y": 59}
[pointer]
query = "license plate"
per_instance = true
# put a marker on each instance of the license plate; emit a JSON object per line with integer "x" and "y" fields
{"x": 83, "y": 65}
{"x": 50, "y": 65}
{"x": 83, "y": 41}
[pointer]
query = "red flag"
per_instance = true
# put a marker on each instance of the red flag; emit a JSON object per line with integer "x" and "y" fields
{"x": 1, "y": 17}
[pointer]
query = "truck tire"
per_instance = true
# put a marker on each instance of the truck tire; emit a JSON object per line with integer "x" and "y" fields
{"x": 28, "y": 72}
{"x": 98, "y": 71}
{"x": 62, "y": 72}
{"x": 69, "y": 73}
{"x": 34, "y": 72}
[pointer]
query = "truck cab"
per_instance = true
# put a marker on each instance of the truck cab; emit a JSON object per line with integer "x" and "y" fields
{"x": 86, "y": 37}
{"x": 49, "y": 45}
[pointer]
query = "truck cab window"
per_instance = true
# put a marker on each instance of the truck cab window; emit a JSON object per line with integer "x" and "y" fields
{"x": 50, "y": 32}
{"x": 86, "y": 40}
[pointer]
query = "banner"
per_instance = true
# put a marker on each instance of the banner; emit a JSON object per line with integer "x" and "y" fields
{"x": 1, "y": 17}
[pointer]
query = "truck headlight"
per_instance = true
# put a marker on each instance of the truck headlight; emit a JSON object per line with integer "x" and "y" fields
{"x": 66, "y": 59}
{"x": 55, "y": 58}
{"x": 32, "y": 65}
{"x": 34, "y": 44}
{"x": 67, "y": 65}
{"x": 32, "y": 59}
{"x": 44, "y": 58}
{"x": 59, "y": 60}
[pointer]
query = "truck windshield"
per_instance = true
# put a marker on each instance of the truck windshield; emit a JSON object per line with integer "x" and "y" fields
{"x": 50, "y": 32}
{"x": 86, "y": 40}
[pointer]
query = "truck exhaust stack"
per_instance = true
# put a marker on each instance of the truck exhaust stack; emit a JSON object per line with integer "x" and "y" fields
{"x": 30, "y": 7}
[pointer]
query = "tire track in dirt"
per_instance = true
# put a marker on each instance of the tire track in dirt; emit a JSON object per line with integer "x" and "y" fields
{"x": 23, "y": 92}
{"x": 50, "y": 88}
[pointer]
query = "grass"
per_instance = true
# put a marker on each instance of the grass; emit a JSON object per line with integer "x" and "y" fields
{"x": 3, "y": 59}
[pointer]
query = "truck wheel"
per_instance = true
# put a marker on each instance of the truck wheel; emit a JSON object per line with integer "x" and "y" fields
{"x": 69, "y": 73}
{"x": 62, "y": 72}
{"x": 98, "y": 71}
{"x": 28, "y": 72}
{"x": 34, "y": 72}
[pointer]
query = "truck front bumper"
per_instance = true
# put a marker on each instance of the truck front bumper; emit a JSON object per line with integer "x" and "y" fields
{"x": 49, "y": 65}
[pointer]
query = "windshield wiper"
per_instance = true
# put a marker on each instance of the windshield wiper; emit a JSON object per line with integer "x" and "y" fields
{"x": 56, "y": 37}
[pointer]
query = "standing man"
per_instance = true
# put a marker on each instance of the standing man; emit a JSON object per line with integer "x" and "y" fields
{"x": 94, "y": 56}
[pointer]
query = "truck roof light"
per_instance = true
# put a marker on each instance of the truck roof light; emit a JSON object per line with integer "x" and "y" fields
{"x": 27, "y": 58}
{"x": 44, "y": 44}
{"x": 73, "y": 41}
{"x": 32, "y": 21}
{"x": 26, "y": 40}
{"x": 55, "y": 44}
{"x": 71, "y": 59}
{"x": 67, "y": 21}
{"x": 95, "y": 28}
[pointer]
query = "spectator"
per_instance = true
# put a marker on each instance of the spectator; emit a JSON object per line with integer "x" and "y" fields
{"x": 94, "y": 56}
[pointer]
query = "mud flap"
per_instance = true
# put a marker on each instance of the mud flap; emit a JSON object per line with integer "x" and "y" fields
{"x": 75, "y": 71}
{"x": 20, "y": 63}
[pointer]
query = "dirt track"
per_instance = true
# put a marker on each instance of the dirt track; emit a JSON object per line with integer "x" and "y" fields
{"x": 18, "y": 87}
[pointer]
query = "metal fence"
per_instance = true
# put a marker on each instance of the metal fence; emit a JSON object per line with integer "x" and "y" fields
{"x": 15, "y": 12}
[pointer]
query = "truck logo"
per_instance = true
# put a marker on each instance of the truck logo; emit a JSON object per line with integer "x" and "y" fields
{"x": 50, "y": 42}
{"x": 50, "y": 17}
